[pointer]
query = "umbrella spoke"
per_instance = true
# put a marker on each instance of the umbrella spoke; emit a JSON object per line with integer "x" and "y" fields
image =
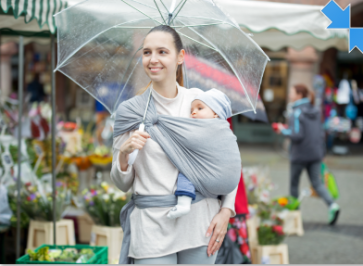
{"x": 159, "y": 11}
{"x": 141, "y": 12}
{"x": 164, "y": 6}
{"x": 178, "y": 12}
{"x": 194, "y": 40}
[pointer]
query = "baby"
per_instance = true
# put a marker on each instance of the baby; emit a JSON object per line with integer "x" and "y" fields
{"x": 207, "y": 105}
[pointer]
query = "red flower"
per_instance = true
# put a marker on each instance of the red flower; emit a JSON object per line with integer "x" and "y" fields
{"x": 244, "y": 248}
{"x": 28, "y": 198}
{"x": 231, "y": 220}
{"x": 278, "y": 229}
{"x": 242, "y": 232}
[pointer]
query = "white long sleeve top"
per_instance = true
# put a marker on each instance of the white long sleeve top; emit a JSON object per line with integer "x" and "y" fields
{"x": 152, "y": 233}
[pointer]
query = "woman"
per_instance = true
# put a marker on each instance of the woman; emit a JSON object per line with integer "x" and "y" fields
{"x": 307, "y": 145}
{"x": 155, "y": 239}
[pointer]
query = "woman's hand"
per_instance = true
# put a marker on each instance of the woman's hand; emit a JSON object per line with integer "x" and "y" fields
{"x": 218, "y": 227}
{"x": 135, "y": 142}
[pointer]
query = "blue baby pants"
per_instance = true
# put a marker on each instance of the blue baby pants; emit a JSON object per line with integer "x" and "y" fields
{"x": 184, "y": 187}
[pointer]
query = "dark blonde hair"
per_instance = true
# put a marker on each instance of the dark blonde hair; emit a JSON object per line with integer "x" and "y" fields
{"x": 178, "y": 46}
{"x": 302, "y": 90}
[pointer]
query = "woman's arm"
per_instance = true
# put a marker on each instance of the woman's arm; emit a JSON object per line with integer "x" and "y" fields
{"x": 123, "y": 174}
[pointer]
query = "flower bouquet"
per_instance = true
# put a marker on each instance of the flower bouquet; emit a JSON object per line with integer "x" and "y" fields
{"x": 258, "y": 184}
{"x": 104, "y": 203}
{"x": 37, "y": 202}
{"x": 270, "y": 232}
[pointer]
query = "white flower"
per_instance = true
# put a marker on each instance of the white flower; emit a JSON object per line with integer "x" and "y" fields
{"x": 106, "y": 197}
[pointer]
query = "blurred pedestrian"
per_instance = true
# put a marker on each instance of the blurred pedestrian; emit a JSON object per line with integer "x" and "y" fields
{"x": 36, "y": 90}
{"x": 307, "y": 145}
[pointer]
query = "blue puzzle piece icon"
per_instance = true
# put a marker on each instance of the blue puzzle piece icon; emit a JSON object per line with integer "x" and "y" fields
{"x": 340, "y": 18}
{"x": 356, "y": 39}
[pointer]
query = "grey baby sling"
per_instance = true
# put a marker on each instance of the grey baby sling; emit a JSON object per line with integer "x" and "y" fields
{"x": 204, "y": 150}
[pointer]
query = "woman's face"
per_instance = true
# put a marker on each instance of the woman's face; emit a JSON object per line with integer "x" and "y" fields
{"x": 293, "y": 95}
{"x": 160, "y": 57}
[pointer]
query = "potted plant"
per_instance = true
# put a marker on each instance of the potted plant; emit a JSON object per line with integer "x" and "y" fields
{"x": 270, "y": 235}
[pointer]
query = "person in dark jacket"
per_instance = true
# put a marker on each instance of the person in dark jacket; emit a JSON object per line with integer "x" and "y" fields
{"x": 307, "y": 145}
{"x": 36, "y": 90}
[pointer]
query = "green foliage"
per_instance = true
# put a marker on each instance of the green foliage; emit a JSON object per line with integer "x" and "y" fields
{"x": 270, "y": 235}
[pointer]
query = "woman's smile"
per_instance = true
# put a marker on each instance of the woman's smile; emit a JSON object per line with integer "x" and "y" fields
{"x": 155, "y": 69}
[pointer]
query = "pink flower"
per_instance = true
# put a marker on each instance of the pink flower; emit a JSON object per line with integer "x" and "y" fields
{"x": 232, "y": 234}
{"x": 243, "y": 232}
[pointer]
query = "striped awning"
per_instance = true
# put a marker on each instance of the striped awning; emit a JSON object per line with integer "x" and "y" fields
{"x": 40, "y": 10}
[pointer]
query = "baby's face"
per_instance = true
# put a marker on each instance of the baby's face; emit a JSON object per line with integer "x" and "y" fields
{"x": 201, "y": 110}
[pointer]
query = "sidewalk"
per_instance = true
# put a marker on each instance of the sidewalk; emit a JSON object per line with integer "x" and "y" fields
{"x": 321, "y": 244}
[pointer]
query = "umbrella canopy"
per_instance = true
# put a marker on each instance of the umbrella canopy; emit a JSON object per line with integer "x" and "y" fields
{"x": 278, "y": 25}
{"x": 100, "y": 44}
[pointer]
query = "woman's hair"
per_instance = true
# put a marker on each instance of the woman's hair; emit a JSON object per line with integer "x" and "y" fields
{"x": 302, "y": 90}
{"x": 178, "y": 46}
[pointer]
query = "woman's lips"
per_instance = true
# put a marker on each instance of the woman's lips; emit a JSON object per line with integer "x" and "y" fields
{"x": 155, "y": 69}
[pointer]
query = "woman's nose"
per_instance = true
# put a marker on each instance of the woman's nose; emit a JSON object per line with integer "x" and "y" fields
{"x": 154, "y": 59}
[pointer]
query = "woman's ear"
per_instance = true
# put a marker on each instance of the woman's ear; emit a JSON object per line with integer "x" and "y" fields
{"x": 181, "y": 57}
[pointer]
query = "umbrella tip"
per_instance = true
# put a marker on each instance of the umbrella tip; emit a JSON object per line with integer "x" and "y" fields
{"x": 170, "y": 16}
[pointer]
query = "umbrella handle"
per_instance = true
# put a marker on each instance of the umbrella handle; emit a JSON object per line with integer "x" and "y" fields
{"x": 133, "y": 155}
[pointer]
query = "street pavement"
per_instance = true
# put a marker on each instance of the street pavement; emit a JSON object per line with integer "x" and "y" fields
{"x": 321, "y": 244}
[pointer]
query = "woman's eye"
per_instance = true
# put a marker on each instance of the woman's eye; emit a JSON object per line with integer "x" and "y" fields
{"x": 146, "y": 53}
{"x": 162, "y": 52}
{"x": 200, "y": 108}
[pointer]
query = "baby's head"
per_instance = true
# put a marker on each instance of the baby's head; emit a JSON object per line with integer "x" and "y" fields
{"x": 211, "y": 104}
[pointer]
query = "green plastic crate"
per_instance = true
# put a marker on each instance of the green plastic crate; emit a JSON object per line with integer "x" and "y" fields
{"x": 100, "y": 257}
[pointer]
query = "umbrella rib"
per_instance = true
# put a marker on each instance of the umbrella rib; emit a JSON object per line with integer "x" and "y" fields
{"x": 159, "y": 11}
{"x": 141, "y": 12}
{"x": 197, "y": 25}
{"x": 178, "y": 11}
{"x": 164, "y": 6}
{"x": 197, "y": 41}
{"x": 227, "y": 60}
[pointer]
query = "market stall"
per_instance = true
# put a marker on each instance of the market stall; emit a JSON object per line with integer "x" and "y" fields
{"x": 40, "y": 12}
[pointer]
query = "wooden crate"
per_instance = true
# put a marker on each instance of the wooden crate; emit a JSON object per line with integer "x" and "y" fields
{"x": 252, "y": 224}
{"x": 270, "y": 254}
{"x": 108, "y": 236}
{"x": 42, "y": 233}
{"x": 85, "y": 224}
{"x": 293, "y": 223}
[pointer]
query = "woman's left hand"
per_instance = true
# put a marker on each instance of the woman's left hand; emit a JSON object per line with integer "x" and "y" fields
{"x": 218, "y": 227}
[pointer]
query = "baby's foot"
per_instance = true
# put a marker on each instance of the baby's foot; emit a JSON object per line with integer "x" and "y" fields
{"x": 178, "y": 211}
{"x": 182, "y": 208}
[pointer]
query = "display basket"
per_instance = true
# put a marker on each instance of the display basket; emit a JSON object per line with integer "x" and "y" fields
{"x": 100, "y": 257}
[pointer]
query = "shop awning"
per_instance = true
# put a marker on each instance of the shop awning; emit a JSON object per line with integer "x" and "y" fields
{"x": 278, "y": 25}
{"x": 30, "y": 18}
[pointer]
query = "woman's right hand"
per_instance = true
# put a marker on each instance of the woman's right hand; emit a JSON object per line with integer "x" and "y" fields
{"x": 135, "y": 142}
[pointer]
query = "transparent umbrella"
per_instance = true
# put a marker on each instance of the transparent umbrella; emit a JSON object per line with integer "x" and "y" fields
{"x": 100, "y": 48}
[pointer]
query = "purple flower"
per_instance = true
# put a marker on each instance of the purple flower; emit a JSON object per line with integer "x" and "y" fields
{"x": 32, "y": 197}
{"x": 94, "y": 192}
{"x": 91, "y": 203}
{"x": 59, "y": 184}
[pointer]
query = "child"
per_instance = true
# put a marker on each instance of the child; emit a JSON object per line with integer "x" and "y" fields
{"x": 207, "y": 105}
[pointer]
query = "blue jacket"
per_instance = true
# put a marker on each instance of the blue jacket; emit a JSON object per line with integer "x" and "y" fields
{"x": 306, "y": 133}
